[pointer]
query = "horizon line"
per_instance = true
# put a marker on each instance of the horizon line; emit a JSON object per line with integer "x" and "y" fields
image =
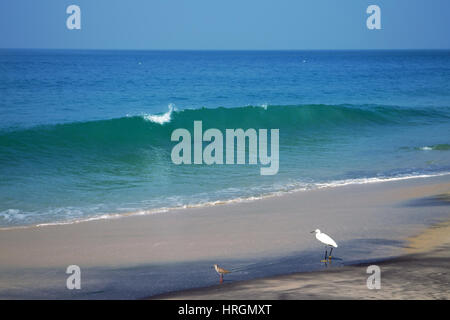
{"x": 131, "y": 49}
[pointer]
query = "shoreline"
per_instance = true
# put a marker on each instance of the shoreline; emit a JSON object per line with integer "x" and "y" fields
{"x": 145, "y": 256}
{"x": 152, "y": 211}
{"x": 426, "y": 261}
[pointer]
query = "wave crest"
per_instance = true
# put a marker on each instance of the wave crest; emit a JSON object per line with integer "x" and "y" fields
{"x": 438, "y": 147}
{"x": 161, "y": 119}
{"x": 155, "y": 130}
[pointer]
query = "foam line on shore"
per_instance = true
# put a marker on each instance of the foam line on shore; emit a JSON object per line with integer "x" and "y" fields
{"x": 316, "y": 186}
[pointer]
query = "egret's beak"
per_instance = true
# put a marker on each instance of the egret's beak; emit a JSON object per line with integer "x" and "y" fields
{"x": 312, "y": 231}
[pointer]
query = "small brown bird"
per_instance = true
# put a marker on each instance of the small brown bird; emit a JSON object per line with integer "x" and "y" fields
{"x": 221, "y": 272}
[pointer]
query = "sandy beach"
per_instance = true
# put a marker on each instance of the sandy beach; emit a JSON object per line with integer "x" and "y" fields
{"x": 141, "y": 256}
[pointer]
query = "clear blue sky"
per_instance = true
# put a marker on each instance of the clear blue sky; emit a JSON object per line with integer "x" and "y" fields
{"x": 225, "y": 24}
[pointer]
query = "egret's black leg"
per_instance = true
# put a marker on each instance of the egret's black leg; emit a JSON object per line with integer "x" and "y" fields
{"x": 331, "y": 252}
{"x": 326, "y": 251}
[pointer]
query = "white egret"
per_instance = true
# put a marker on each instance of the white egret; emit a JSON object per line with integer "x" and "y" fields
{"x": 221, "y": 272}
{"x": 327, "y": 240}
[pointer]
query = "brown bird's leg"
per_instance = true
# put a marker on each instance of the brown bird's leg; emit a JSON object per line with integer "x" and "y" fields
{"x": 221, "y": 278}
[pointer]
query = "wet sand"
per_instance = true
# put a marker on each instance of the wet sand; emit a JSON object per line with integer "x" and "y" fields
{"x": 424, "y": 274}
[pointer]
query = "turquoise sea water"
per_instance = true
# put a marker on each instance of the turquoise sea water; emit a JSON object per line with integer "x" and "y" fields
{"x": 86, "y": 134}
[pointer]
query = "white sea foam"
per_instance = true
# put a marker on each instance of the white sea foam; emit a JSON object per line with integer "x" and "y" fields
{"x": 163, "y": 118}
{"x": 12, "y": 214}
{"x": 339, "y": 183}
{"x": 101, "y": 217}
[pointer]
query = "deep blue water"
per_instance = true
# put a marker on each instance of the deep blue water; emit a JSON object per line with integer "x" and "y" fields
{"x": 78, "y": 140}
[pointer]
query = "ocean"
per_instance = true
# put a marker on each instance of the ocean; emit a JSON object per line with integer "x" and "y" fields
{"x": 86, "y": 134}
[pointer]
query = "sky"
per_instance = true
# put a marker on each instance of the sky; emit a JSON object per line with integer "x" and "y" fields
{"x": 225, "y": 25}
